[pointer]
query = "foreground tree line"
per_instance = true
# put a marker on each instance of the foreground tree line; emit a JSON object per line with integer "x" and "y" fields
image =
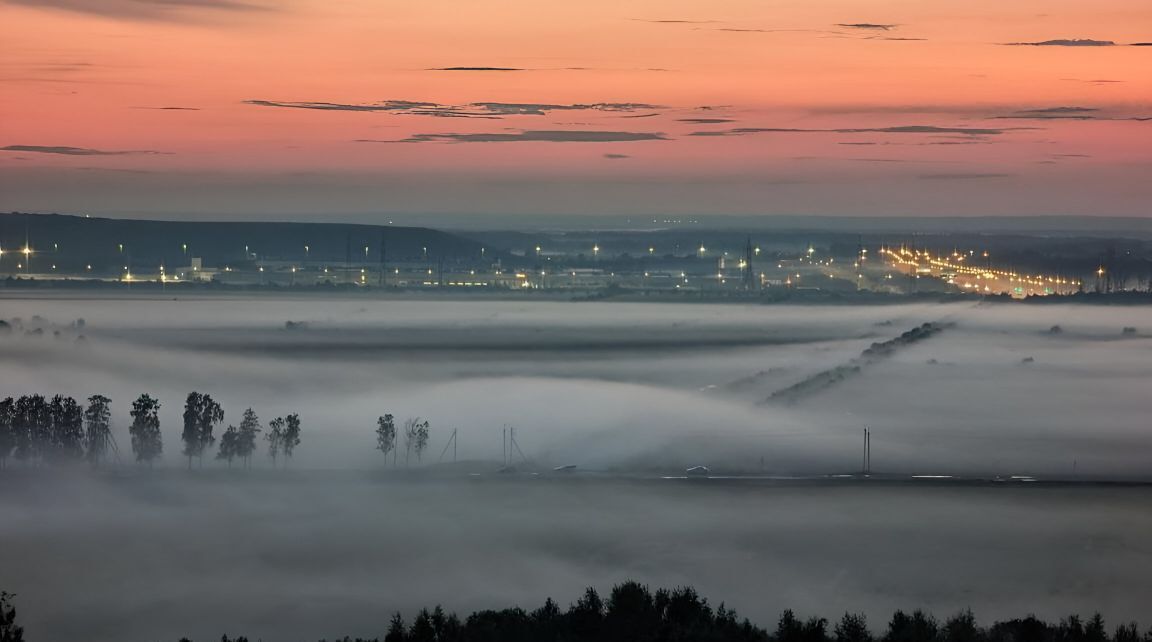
{"x": 632, "y": 613}
{"x": 38, "y": 430}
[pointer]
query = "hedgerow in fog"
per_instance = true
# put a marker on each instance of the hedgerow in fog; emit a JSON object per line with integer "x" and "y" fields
{"x": 37, "y": 430}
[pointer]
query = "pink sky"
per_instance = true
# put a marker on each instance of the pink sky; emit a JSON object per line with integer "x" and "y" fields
{"x": 902, "y": 114}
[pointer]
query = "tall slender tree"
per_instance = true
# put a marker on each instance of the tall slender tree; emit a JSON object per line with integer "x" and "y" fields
{"x": 421, "y": 440}
{"x": 98, "y": 428}
{"x": 275, "y": 438}
{"x": 246, "y": 439}
{"x": 386, "y": 437}
{"x": 7, "y": 430}
{"x": 147, "y": 442}
{"x": 415, "y": 437}
{"x": 201, "y": 414}
{"x": 32, "y": 425}
{"x": 228, "y": 445}
{"x": 291, "y": 436}
{"x": 66, "y": 441}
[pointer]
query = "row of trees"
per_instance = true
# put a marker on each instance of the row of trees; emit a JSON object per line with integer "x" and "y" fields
{"x": 415, "y": 437}
{"x": 36, "y": 429}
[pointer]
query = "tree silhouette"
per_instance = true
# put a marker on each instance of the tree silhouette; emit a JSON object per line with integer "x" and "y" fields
{"x": 386, "y": 436}
{"x": 32, "y": 423}
{"x": 911, "y": 628}
{"x": 246, "y": 439}
{"x": 7, "y": 430}
{"x": 97, "y": 428}
{"x": 1128, "y": 633}
{"x": 853, "y": 627}
{"x": 9, "y": 631}
{"x": 422, "y": 629}
{"x": 396, "y": 630}
{"x": 147, "y": 442}
{"x": 201, "y": 414}
{"x": 961, "y": 628}
{"x": 415, "y": 437}
{"x": 630, "y": 613}
{"x": 291, "y": 436}
{"x": 229, "y": 445}
{"x": 1094, "y": 631}
{"x": 421, "y": 440}
{"x": 586, "y": 617}
{"x": 791, "y": 629}
{"x": 66, "y": 442}
{"x": 275, "y": 438}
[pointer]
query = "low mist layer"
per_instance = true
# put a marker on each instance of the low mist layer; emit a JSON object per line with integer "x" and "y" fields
{"x": 302, "y": 556}
{"x": 1004, "y": 390}
{"x": 626, "y": 393}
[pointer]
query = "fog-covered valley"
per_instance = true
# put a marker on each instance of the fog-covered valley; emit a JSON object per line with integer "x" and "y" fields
{"x": 627, "y": 393}
{"x": 610, "y": 386}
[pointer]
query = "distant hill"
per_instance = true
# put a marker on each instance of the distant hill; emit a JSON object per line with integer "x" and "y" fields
{"x": 1096, "y": 226}
{"x": 76, "y": 240}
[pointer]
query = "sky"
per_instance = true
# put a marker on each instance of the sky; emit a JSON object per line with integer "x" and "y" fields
{"x": 356, "y": 109}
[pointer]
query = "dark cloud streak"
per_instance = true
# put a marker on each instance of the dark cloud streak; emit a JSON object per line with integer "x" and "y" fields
{"x": 73, "y": 151}
{"x": 872, "y": 26}
{"x": 471, "y": 110}
{"x": 151, "y": 10}
{"x": 1064, "y": 42}
{"x": 963, "y": 177}
{"x": 531, "y": 136}
{"x": 477, "y": 69}
{"x": 902, "y": 129}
